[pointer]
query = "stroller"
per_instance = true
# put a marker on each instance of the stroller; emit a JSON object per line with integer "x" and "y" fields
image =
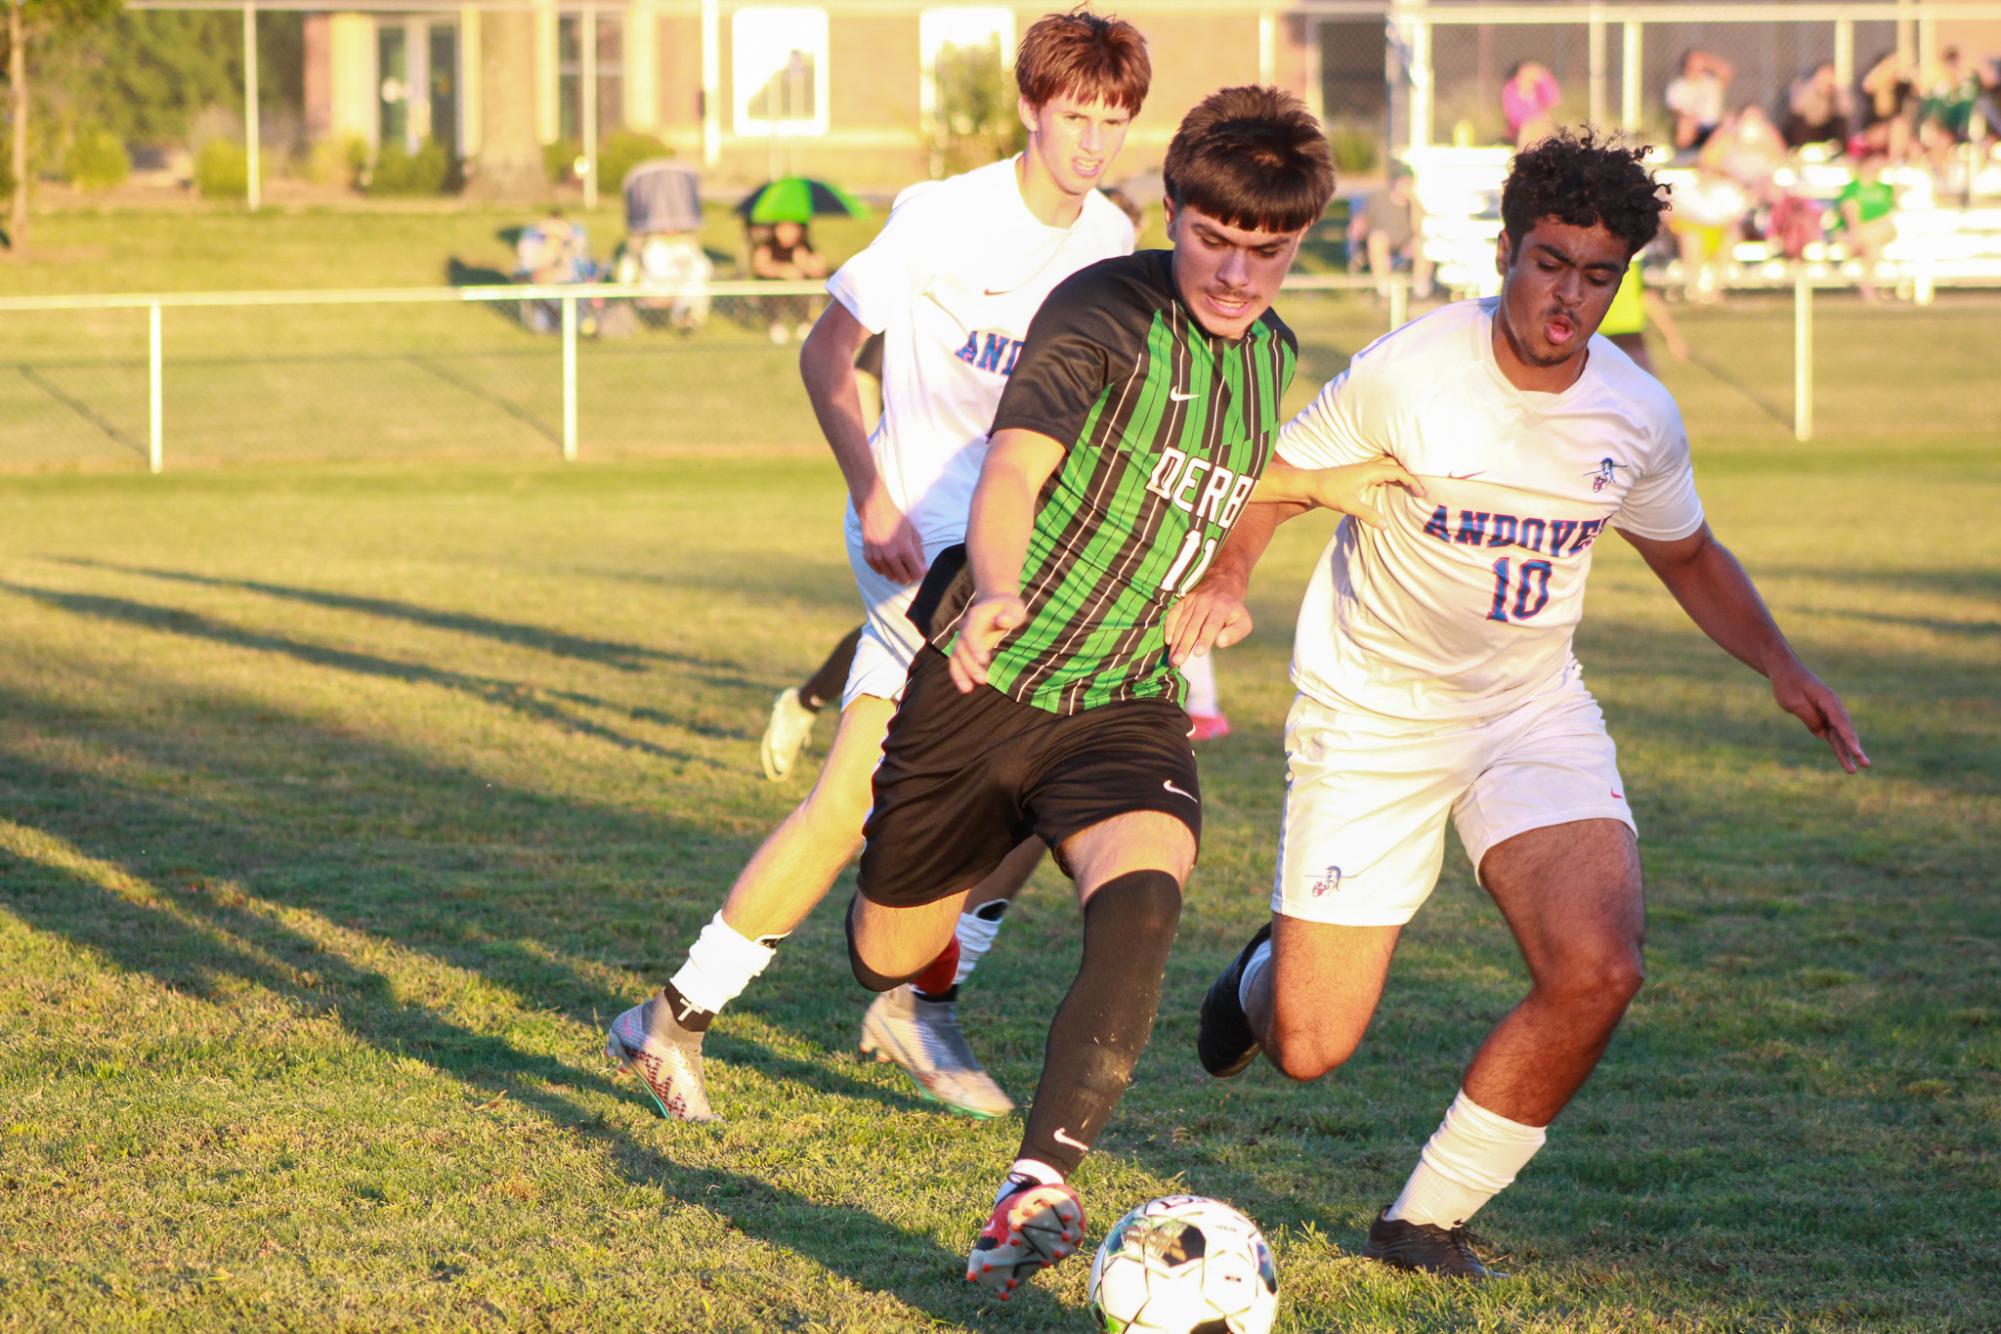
{"x": 663, "y": 214}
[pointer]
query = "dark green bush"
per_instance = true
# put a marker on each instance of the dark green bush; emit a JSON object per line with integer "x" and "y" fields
{"x": 401, "y": 172}
{"x": 621, "y": 151}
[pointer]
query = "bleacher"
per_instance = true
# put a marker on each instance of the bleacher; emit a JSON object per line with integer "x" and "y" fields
{"x": 1942, "y": 240}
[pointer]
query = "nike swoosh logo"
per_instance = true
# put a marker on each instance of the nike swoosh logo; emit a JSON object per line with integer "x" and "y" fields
{"x": 1467, "y": 476}
{"x": 1176, "y": 396}
{"x": 999, "y": 291}
{"x": 1168, "y": 783}
{"x": 1063, "y": 1137}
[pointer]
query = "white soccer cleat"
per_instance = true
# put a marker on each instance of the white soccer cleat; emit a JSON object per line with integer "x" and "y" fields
{"x": 647, "y": 1042}
{"x": 924, "y": 1037}
{"x": 785, "y": 735}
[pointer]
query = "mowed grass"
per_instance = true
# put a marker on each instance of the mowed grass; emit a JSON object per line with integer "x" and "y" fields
{"x": 342, "y": 804}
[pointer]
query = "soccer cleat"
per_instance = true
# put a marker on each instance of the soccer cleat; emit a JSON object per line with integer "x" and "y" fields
{"x": 1224, "y": 1041}
{"x": 1208, "y": 727}
{"x": 1032, "y": 1227}
{"x": 1425, "y": 1248}
{"x": 647, "y": 1042}
{"x": 791, "y": 723}
{"x": 924, "y": 1037}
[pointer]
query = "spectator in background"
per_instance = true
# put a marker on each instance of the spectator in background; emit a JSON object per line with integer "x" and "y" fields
{"x": 1748, "y": 149}
{"x": 1889, "y": 109}
{"x": 1626, "y": 319}
{"x": 1527, "y": 99}
{"x": 1696, "y": 97}
{"x": 1818, "y": 109}
{"x": 785, "y": 253}
{"x": 673, "y": 260}
{"x": 1383, "y": 235}
{"x": 1945, "y": 116}
{"x": 1863, "y": 219}
{"x": 1708, "y": 218}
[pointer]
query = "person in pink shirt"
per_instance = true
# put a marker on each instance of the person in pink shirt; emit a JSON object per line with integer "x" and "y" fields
{"x": 1527, "y": 99}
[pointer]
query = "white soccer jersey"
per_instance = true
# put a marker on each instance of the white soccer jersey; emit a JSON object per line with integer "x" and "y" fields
{"x": 1465, "y": 605}
{"x": 952, "y": 282}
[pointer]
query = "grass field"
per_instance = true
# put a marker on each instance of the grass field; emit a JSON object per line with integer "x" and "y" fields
{"x": 342, "y": 804}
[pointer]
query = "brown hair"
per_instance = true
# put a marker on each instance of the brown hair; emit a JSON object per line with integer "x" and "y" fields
{"x": 1085, "y": 56}
{"x": 1251, "y": 157}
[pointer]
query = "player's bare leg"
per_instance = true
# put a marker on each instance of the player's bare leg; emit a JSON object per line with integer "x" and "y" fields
{"x": 1571, "y": 895}
{"x": 917, "y": 1024}
{"x": 661, "y": 1038}
{"x": 1312, "y": 1003}
{"x": 1128, "y": 871}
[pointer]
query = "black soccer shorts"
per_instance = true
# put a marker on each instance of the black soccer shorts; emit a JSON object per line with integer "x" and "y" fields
{"x": 965, "y": 779}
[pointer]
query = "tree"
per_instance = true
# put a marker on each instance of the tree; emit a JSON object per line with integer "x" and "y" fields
{"x": 509, "y": 165}
{"x": 29, "y": 21}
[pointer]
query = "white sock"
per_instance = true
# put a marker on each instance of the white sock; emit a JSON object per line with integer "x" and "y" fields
{"x": 1469, "y": 1159}
{"x": 976, "y": 936}
{"x": 1201, "y": 673}
{"x": 1032, "y": 1169}
{"x": 721, "y": 963}
{"x": 1254, "y": 968}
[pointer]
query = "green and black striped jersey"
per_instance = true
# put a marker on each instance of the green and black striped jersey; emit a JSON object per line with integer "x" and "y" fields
{"x": 1168, "y": 429}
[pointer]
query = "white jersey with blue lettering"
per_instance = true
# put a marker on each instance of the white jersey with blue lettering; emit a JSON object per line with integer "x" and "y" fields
{"x": 951, "y": 283}
{"x": 1464, "y": 606}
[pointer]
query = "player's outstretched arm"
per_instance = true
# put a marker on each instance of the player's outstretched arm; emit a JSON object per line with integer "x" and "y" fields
{"x": 1018, "y": 463}
{"x": 827, "y": 366}
{"x": 1719, "y": 597}
{"x": 1213, "y": 614}
{"x": 1350, "y": 489}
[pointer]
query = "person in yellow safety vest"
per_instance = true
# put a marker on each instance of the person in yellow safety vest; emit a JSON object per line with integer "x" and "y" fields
{"x": 1626, "y": 321}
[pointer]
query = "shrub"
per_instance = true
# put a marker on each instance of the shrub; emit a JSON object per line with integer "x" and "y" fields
{"x": 337, "y": 161}
{"x": 222, "y": 170}
{"x": 96, "y": 159}
{"x": 621, "y": 151}
{"x": 401, "y": 172}
{"x": 560, "y": 160}
{"x": 1356, "y": 149}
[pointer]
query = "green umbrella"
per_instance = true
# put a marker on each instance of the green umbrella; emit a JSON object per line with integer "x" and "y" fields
{"x": 799, "y": 199}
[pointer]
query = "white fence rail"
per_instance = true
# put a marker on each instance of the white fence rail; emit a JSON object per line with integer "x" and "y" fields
{"x": 701, "y": 401}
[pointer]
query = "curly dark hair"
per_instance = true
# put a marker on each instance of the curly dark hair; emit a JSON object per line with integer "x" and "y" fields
{"x": 1582, "y": 178}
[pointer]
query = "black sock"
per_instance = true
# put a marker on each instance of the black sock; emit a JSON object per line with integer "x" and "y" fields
{"x": 686, "y": 1013}
{"x": 992, "y": 910}
{"x": 1103, "y": 1024}
{"x": 826, "y": 683}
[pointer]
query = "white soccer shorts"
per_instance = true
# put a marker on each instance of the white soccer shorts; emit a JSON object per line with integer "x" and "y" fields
{"x": 1366, "y": 800}
{"x": 889, "y": 641}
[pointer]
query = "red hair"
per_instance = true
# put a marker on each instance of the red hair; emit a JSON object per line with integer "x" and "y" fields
{"x": 1084, "y": 56}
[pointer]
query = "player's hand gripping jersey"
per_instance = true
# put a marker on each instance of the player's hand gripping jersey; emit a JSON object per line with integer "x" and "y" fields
{"x": 951, "y": 282}
{"x": 1464, "y": 606}
{"x": 1168, "y": 429}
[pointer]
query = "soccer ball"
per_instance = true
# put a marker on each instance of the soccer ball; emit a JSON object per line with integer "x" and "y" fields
{"x": 1184, "y": 1265}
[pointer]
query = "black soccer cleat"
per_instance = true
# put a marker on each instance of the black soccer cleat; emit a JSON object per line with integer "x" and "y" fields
{"x": 1224, "y": 1041}
{"x": 1425, "y": 1248}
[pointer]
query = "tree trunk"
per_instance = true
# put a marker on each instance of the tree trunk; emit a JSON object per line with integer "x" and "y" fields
{"x": 17, "y": 88}
{"x": 509, "y": 165}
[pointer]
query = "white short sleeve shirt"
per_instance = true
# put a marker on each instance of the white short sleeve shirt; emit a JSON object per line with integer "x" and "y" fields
{"x": 951, "y": 282}
{"x": 1464, "y": 607}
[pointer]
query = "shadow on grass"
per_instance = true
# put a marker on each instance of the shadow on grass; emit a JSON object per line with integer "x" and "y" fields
{"x": 605, "y": 652}
{"x": 529, "y": 701}
{"x": 191, "y": 884}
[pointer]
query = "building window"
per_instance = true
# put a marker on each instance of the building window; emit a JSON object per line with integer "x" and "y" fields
{"x": 570, "y": 75}
{"x": 392, "y": 108}
{"x": 778, "y": 71}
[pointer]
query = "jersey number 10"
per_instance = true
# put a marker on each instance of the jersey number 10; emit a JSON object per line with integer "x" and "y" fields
{"x": 1531, "y": 590}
